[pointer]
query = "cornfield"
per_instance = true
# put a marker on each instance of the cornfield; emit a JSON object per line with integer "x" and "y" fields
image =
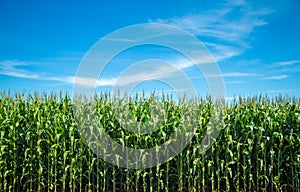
{"x": 258, "y": 148}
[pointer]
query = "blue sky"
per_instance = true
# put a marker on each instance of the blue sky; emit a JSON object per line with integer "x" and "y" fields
{"x": 255, "y": 44}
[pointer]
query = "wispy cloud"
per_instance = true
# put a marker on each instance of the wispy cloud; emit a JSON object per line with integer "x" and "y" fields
{"x": 287, "y": 67}
{"x": 91, "y": 82}
{"x": 155, "y": 69}
{"x": 234, "y": 82}
{"x": 238, "y": 74}
{"x": 276, "y": 77}
{"x": 119, "y": 39}
{"x": 234, "y": 74}
{"x": 286, "y": 63}
{"x": 225, "y": 30}
{"x": 11, "y": 68}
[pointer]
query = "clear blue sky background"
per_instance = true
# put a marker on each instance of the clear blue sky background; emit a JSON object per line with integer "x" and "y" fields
{"x": 256, "y": 44}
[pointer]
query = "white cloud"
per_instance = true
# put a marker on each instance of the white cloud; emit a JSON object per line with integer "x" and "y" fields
{"x": 164, "y": 71}
{"x": 234, "y": 74}
{"x": 91, "y": 81}
{"x": 285, "y": 63}
{"x": 277, "y": 77}
{"x": 119, "y": 39}
{"x": 156, "y": 69}
{"x": 225, "y": 30}
{"x": 222, "y": 51}
{"x": 234, "y": 82}
{"x": 153, "y": 69}
{"x": 10, "y": 68}
{"x": 238, "y": 74}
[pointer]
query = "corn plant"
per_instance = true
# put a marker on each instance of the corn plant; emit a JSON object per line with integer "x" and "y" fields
{"x": 42, "y": 149}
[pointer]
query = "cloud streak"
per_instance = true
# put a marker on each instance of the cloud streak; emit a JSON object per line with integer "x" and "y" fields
{"x": 238, "y": 74}
{"x": 234, "y": 82}
{"x": 233, "y": 74}
{"x": 277, "y": 77}
{"x": 10, "y": 68}
{"x": 287, "y": 63}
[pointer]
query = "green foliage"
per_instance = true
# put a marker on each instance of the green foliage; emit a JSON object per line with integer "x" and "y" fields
{"x": 41, "y": 149}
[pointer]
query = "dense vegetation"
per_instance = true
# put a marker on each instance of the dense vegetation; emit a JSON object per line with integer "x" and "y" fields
{"x": 258, "y": 149}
